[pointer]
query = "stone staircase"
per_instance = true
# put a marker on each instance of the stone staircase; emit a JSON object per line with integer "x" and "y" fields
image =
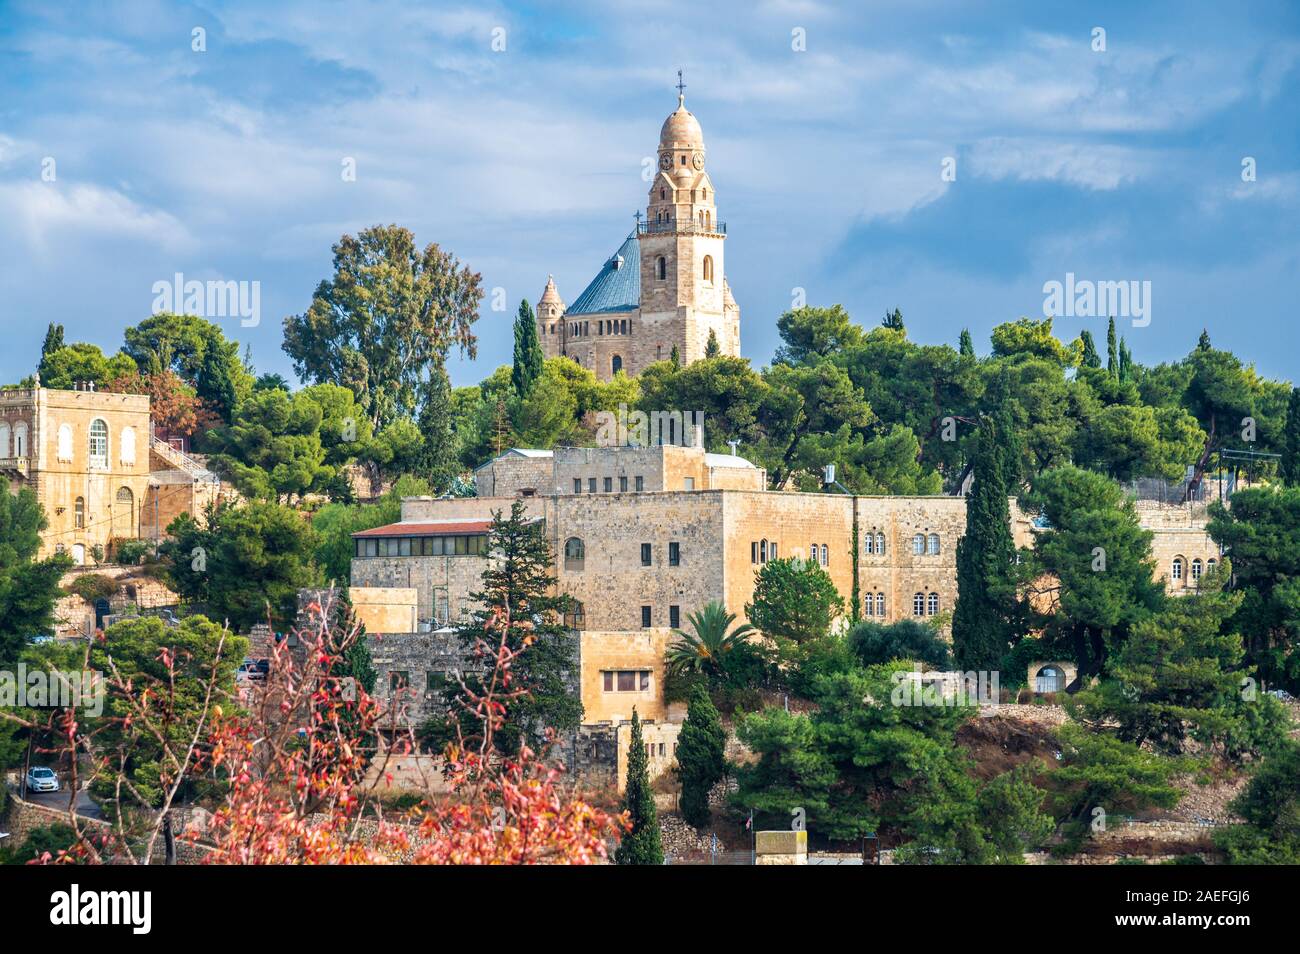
{"x": 177, "y": 460}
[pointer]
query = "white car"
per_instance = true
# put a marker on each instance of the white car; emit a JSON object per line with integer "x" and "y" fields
{"x": 41, "y": 779}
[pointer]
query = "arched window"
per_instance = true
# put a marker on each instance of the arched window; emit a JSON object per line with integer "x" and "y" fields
{"x": 662, "y": 194}
{"x": 79, "y": 554}
{"x": 1178, "y": 568}
{"x": 869, "y": 605}
{"x": 762, "y": 551}
{"x": 869, "y": 543}
{"x": 575, "y": 617}
{"x": 4, "y": 439}
{"x": 79, "y": 513}
{"x": 124, "y": 513}
{"x": 918, "y": 604}
{"x": 98, "y": 443}
{"x": 933, "y": 544}
{"x": 1049, "y": 679}
{"x": 880, "y": 604}
{"x": 20, "y": 439}
{"x": 918, "y": 544}
{"x": 826, "y": 555}
{"x": 616, "y": 365}
{"x": 1196, "y": 571}
{"x": 127, "y": 441}
{"x": 880, "y": 543}
{"x": 932, "y": 604}
{"x": 1210, "y": 564}
{"x": 65, "y": 442}
{"x": 812, "y": 553}
{"x": 575, "y": 554}
{"x": 708, "y": 268}
{"x": 661, "y": 268}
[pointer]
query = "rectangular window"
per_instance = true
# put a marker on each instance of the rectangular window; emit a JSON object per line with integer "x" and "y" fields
{"x": 434, "y": 682}
{"x": 674, "y": 554}
{"x": 609, "y": 485}
{"x": 627, "y": 681}
{"x": 753, "y": 552}
{"x": 674, "y": 616}
{"x": 640, "y": 483}
{"x": 591, "y": 485}
{"x": 577, "y": 485}
{"x": 404, "y": 546}
{"x": 392, "y": 547}
{"x": 462, "y": 546}
{"x": 688, "y": 483}
{"x": 622, "y": 485}
{"x": 437, "y": 546}
{"x": 607, "y": 681}
{"x": 372, "y": 548}
{"x": 645, "y": 617}
{"x": 646, "y": 554}
{"x": 772, "y": 552}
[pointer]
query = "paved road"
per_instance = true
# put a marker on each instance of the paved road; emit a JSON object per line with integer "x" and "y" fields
{"x": 59, "y": 801}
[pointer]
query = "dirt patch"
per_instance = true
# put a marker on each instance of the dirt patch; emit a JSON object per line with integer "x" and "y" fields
{"x": 1005, "y": 741}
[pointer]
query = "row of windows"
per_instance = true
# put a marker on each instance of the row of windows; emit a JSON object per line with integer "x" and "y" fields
{"x": 674, "y": 617}
{"x": 575, "y": 554}
{"x": 819, "y": 555}
{"x": 625, "y": 680}
{"x": 706, "y": 272}
{"x": 761, "y": 551}
{"x": 1196, "y": 568}
{"x": 874, "y": 607}
{"x": 422, "y": 546}
{"x": 607, "y": 484}
{"x": 123, "y": 512}
{"x": 923, "y": 605}
{"x": 14, "y": 443}
{"x": 873, "y": 544}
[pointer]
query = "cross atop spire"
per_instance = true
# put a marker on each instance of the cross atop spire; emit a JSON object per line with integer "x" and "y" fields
{"x": 681, "y": 89}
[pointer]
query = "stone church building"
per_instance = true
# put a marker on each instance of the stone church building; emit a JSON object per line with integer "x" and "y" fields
{"x": 665, "y": 287}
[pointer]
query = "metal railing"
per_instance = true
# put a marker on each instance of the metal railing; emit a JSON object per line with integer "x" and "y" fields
{"x": 682, "y": 226}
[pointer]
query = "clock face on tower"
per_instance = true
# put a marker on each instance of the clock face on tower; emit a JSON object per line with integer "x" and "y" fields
{"x": 666, "y": 161}
{"x": 697, "y": 161}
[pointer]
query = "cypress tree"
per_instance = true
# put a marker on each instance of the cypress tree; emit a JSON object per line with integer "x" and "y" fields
{"x": 966, "y": 347}
{"x": 700, "y": 760}
{"x": 1203, "y": 343}
{"x": 53, "y": 340}
{"x": 528, "y": 351}
{"x": 711, "y": 349}
{"x": 1289, "y": 466}
{"x": 984, "y": 622}
{"x": 641, "y": 845}
{"x": 1112, "y": 350}
{"x": 438, "y": 461}
{"x": 676, "y": 358}
{"x": 215, "y": 384}
{"x": 1091, "y": 359}
{"x": 1125, "y": 361}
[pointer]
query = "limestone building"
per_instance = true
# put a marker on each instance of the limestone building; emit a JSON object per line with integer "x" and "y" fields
{"x": 100, "y": 474}
{"x": 665, "y": 286}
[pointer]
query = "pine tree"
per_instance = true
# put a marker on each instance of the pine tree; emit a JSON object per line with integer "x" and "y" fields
{"x": 1203, "y": 343}
{"x": 986, "y": 620}
{"x": 894, "y": 321}
{"x": 1289, "y": 466}
{"x": 700, "y": 760}
{"x": 1112, "y": 350}
{"x": 438, "y": 463}
{"x": 518, "y": 581}
{"x": 966, "y": 347}
{"x": 641, "y": 845}
{"x": 528, "y": 351}
{"x": 1091, "y": 359}
{"x": 711, "y": 348}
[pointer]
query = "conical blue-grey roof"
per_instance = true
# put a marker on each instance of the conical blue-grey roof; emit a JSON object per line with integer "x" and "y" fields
{"x": 617, "y": 287}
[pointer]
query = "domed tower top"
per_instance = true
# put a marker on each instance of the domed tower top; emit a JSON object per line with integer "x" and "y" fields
{"x": 550, "y": 305}
{"x": 681, "y": 141}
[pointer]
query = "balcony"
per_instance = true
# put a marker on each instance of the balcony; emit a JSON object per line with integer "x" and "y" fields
{"x": 681, "y": 227}
{"x": 16, "y": 467}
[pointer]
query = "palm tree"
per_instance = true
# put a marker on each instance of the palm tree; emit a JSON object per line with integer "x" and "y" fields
{"x": 706, "y": 651}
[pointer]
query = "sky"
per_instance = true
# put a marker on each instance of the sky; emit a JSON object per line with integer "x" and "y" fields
{"x": 948, "y": 159}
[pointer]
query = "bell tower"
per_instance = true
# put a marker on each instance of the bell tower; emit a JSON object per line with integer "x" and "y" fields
{"x": 684, "y": 293}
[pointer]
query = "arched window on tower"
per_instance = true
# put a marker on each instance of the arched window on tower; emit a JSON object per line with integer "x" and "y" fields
{"x": 708, "y": 268}
{"x": 661, "y": 268}
{"x": 616, "y": 365}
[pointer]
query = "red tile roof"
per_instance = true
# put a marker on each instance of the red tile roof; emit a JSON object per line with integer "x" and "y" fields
{"x": 439, "y": 528}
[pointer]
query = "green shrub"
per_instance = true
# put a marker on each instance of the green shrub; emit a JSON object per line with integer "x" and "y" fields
{"x": 93, "y": 586}
{"x": 130, "y": 552}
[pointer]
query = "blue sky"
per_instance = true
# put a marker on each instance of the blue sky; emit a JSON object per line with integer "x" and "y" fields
{"x": 1122, "y": 165}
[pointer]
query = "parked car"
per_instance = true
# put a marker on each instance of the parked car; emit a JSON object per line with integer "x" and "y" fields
{"x": 41, "y": 779}
{"x": 253, "y": 670}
